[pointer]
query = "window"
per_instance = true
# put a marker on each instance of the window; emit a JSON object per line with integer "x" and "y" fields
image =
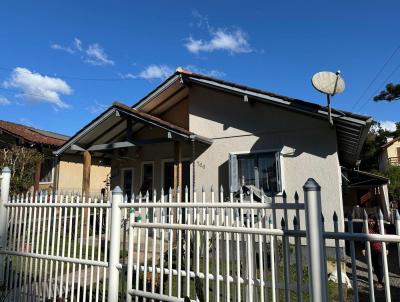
{"x": 46, "y": 170}
{"x": 261, "y": 170}
{"x": 147, "y": 179}
{"x": 127, "y": 182}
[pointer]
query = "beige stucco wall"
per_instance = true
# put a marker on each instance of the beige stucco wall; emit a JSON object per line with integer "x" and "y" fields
{"x": 156, "y": 154}
{"x": 308, "y": 145}
{"x": 70, "y": 173}
{"x": 387, "y": 153}
{"x": 392, "y": 149}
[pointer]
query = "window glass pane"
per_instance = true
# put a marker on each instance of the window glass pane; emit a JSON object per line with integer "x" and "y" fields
{"x": 260, "y": 170}
{"x": 127, "y": 183}
{"x": 267, "y": 172}
{"x": 46, "y": 170}
{"x": 147, "y": 180}
{"x": 246, "y": 167}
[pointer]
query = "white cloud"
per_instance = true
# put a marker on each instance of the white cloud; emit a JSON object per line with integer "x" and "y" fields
{"x": 63, "y": 48}
{"x": 27, "y": 122}
{"x": 97, "y": 108}
{"x": 388, "y": 125}
{"x": 37, "y": 87}
{"x": 78, "y": 44}
{"x": 156, "y": 72}
{"x": 96, "y": 55}
{"x": 210, "y": 72}
{"x": 4, "y": 101}
{"x": 127, "y": 76}
{"x": 235, "y": 41}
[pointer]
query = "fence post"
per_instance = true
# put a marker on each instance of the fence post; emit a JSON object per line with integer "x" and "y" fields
{"x": 5, "y": 190}
{"x": 315, "y": 243}
{"x": 115, "y": 244}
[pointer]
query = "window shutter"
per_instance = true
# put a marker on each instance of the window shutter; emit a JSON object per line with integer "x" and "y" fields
{"x": 233, "y": 173}
{"x": 278, "y": 171}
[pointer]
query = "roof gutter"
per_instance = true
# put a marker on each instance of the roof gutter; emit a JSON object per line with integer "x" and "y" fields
{"x": 277, "y": 101}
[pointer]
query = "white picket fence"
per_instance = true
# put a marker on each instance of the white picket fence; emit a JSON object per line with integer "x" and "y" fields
{"x": 170, "y": 247}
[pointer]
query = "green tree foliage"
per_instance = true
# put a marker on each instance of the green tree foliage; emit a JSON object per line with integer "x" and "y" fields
{"x": 377, "y": 136}
{"x": 393, "y": 173}
{"x": 22, "y": 162}
{"x": 391, "y": 93}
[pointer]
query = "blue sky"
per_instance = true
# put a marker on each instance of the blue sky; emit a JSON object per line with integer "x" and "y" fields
{"x": 63, "y": 62}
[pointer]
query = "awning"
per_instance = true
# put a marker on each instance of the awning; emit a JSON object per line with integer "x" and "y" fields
{"x": 116, "y": 128}
{"x": 362, "y": 179}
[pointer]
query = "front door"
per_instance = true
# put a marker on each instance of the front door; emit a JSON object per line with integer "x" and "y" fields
{"x": 169, "y": 176}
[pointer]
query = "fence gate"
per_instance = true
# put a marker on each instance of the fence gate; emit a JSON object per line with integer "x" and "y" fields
{"x": 172, "y": 247}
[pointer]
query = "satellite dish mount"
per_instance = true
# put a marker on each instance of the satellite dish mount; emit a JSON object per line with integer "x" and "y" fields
{"x": 330, "y": 84}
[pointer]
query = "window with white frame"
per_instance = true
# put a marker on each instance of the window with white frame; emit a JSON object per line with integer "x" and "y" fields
{"x": 260, "y": 169}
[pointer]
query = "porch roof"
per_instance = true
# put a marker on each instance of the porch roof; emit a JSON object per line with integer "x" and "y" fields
{"x": 115, "y": 128}
{"x": 362, "y": 179}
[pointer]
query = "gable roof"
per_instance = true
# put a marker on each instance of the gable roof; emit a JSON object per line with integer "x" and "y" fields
{"x": 351, "y": 128}
{"x": 32, "y": 135}
{"x": 388, "y": 144}
{"x": 107, "y": 127}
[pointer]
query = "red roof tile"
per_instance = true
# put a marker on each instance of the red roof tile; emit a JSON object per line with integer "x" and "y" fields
{"x": 30, "y": 134}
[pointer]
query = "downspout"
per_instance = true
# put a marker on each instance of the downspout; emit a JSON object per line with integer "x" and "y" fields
{"x": 192, "y": 137}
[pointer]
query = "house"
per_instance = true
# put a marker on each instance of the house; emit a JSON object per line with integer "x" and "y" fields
{"x": 198, "y": 131}
{"x": 390, "y": 153}
{"x": 365, "y": 191}
{"x": 51, "y": 173}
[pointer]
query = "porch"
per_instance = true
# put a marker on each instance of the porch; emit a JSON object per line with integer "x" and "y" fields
{"x": 145, "y": 153}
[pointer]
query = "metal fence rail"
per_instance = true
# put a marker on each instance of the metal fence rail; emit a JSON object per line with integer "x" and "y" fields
{"x": 176, "y": 247}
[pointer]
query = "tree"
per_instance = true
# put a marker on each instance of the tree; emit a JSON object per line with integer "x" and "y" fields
{"x": 391, "y": 93}
{"x": 377, "y": 136}
{"x": 393, "y": 173}
{"x": 22, "y": 162}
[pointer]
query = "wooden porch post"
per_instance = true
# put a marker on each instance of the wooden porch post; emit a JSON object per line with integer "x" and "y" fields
{"x": 87, "y": 162}
{"x": 177, "y": 167}
{"x": 38, "y": 167}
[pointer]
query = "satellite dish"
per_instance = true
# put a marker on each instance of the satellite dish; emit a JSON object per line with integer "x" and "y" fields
{"x": 329, "y": 83}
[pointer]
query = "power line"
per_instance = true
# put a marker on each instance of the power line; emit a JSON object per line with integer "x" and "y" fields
{"x": 375, "y": 78}
{"x": 382, "y": 84}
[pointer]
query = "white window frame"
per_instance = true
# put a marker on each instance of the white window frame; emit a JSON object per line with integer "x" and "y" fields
{"x": 281, "y": 163}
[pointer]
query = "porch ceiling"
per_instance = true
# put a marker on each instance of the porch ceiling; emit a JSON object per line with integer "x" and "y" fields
{"x": 116, "y": 128}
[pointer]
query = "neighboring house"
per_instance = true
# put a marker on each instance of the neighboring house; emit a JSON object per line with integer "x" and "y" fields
{"x": 63, "y": 173}
{"x": 365, "y": 190}
{"x": 390, "y": 154}
{"x": 198, "y": 131}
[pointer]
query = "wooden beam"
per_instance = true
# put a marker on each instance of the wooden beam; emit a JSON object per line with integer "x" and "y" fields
{"x": 87, "y": 162}
{"x": 111, "y": 146}
{"x": 177, "y": 166}
{"x": 77, "y": 148}
{"x": 38, "y": 167}
{"x": 127, "y": 144}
